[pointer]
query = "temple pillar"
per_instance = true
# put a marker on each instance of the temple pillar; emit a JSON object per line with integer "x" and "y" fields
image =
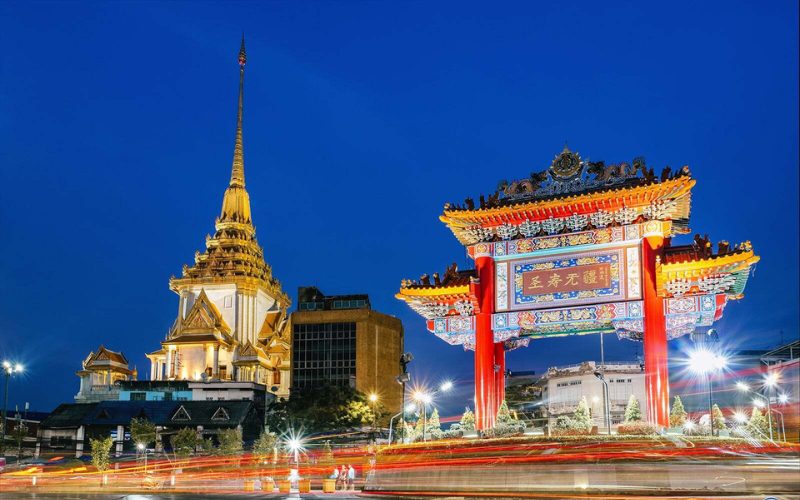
{"x": 79, "y": 437}
{"x": 120, "y": 440}
{"x": 215, "y": 373}
{"x": 485, "y": 384}
{"x": 656, "y": 370}
{"x": 169, "y": 363}
{"x": 499, "y": 374}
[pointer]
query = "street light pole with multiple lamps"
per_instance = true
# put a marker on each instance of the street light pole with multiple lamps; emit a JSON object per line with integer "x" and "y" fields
{"x": 8, "y": 370}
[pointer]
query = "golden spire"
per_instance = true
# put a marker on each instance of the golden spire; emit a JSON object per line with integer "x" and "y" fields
{"x": 236, "y": 204}
{"x": 237, "y": 173}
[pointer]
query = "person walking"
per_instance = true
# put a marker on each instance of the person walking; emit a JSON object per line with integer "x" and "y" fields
{"x": 351, "y": 477}
{"x": 341, "y": 478}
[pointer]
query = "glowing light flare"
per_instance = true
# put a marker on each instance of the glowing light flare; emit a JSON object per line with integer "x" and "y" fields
{"x": 771, "y": 379}
{"x": 446, "y": 386}
{"x": 422, "y": 397}
{"x": 703, "y": 361}
{"x": 739, "y": 417}
{"x": 742, "y": 386}
{"x": 10, "y": 367}
{"x": 758, "y": 403}
{"x": 783, "y": 399}
{"x": 373, "y": 397}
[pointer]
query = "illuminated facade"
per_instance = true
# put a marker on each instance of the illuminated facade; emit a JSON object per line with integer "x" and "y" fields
{"x": 232, "y": 322}
{"x": 99, "y": 374}
{"x": 580, "y": 248}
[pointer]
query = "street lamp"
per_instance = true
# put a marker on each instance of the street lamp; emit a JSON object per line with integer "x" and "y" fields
{"x": 769, "y": 380}
{"x": 424, "y": 399}
{"x": 606, "y": 411}
{"x": 373, "y": 398}
{"x": 705, "y": 362}
{"x": 143, "y": 448}
{"x": 9, "y": 369}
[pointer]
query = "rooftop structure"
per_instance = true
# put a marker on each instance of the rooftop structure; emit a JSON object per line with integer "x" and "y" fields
{"x": 100, "y": 372}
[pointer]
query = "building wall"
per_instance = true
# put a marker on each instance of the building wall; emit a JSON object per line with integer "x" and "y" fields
{"x": 566, "y": 386}
{"x": 379, "y": 344}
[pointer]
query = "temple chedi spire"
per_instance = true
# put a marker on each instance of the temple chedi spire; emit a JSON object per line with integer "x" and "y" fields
{"x": 232, "y": 322}
{"x": 236, "y": 203}
{"x": 233, "y": 252}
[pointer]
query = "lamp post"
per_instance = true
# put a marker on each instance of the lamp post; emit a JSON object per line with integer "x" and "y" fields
{"x": 770, "y": 381}
{"x": 373, "y": 398}
{"x": 143, "y": 448}
{"x": 706, "y": 363}
{"x": 8, "y": 370}
{"x": 606, "y": 411}
{"x": 424, "y": 398}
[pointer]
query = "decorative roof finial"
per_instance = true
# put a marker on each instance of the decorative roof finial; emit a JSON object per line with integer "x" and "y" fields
{"x": 237, "y": 172}
{"x": 242, "y": 53}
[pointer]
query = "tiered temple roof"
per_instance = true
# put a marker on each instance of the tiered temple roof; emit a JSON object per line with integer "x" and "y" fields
{"x": 233, "y": 253}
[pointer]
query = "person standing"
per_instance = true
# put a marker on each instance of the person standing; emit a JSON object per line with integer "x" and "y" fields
{"x": 351, "y": 477}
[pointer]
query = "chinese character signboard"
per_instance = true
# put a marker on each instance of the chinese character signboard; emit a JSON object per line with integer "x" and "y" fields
{"x": 571, "y": 279}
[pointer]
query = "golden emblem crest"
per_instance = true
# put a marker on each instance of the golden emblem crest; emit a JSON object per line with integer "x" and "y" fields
{"x": 566, "y": 165}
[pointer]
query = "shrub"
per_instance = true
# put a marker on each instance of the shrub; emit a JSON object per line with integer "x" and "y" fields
{"x": 677, "y": 417}
{"x": 467, "y": 420}
{"x": 101, "y": 452}
{"x": 638, "y": 428}
{"x": 632, "y": 412}
{"x": 509, "y": 428}
{"x": 184, "y": 442}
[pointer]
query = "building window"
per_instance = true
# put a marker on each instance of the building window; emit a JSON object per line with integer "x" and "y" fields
{"x": 167, "y": 396}
{"x": 138, "y": 396}
{"x": 229, "y": 301}
{"x": 323, "y": 352}
{"x": 276, "y": 377}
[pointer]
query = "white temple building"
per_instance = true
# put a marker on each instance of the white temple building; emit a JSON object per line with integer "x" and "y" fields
{"x": 232, "y": 322}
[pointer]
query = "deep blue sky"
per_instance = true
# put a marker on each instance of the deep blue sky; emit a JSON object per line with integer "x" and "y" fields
{"x": 362, "y": 119}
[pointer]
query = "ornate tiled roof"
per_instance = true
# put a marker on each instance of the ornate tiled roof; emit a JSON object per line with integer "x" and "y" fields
{"x": 574, "y": 195}
{"x": 695, "y": 269}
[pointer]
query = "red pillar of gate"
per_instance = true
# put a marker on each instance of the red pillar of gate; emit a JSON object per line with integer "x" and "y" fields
{"x": 485, "y": 405}
{"x": 656, "y": 370}
{"x": 499, "y": 374}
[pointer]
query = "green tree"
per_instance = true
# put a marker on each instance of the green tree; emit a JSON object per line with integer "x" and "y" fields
{"x": 207, "y": 445}
{"x": 408, "y": 432}
{"x": 632, "y": 412}
{"x": 718, "y": 418}
{"x": 101, "y": 452}
{"x": 434, "y": 427}
{"x": 677, "y": 417}
{"x": 143, "y": 431}
{"x": 467, "y": 420}
{"x": 321, "y": 408}
{"x": 263, "y": 446}
{"x": 503, "y": 414}
{"x": 230, "y": 441}
{"x": 582, "y": 417}
{"x": 184, "y": 442}
{"x": 758, "y": 426}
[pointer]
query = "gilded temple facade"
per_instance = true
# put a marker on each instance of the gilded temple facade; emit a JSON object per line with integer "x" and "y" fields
{"x": 232, "y": 322}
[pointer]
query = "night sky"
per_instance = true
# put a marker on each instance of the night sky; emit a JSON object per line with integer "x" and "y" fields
{"x": 361, "y": 120}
